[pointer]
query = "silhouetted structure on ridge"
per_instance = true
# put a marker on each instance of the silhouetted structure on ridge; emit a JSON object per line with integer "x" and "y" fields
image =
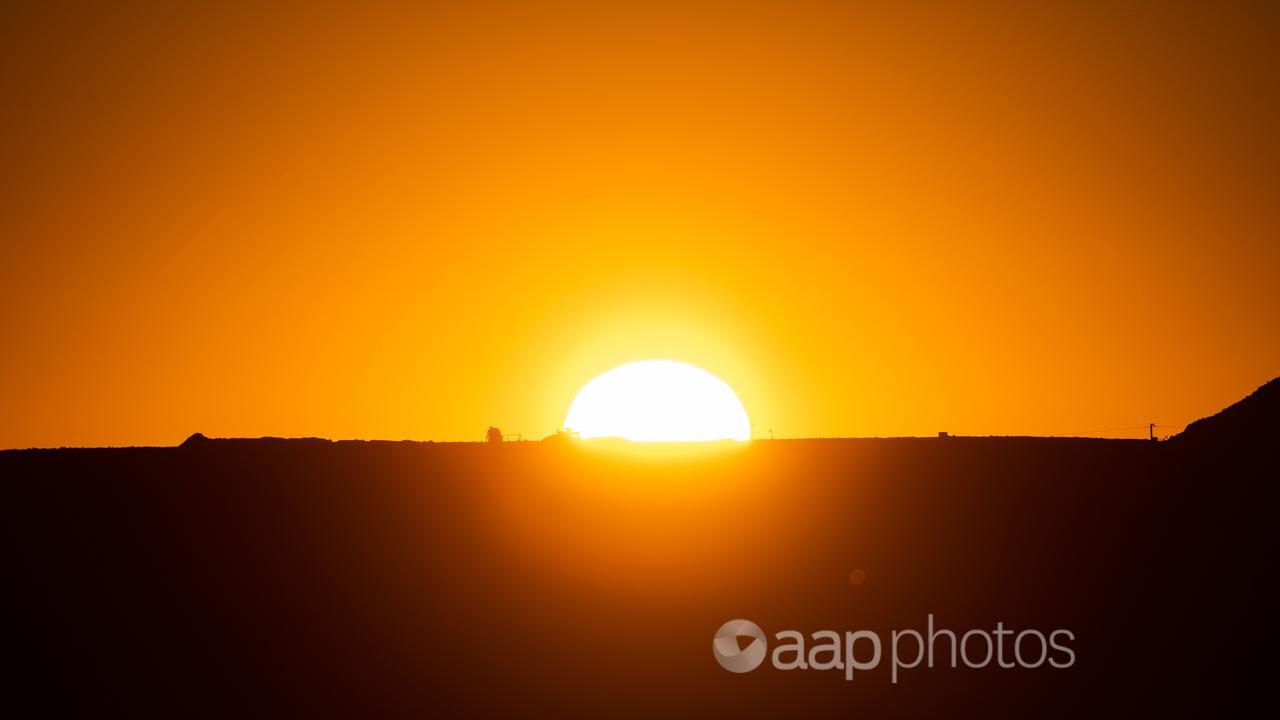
{"x": 561, "y": 435}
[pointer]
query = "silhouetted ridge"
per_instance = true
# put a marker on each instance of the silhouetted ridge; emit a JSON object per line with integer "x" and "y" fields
{"x": 1253, "y": 421}
{"x": 200, "y": 440}
{"x": 362, "y": 577}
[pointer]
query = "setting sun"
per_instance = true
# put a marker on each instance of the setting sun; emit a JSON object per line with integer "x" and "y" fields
{"x": 658, "y": 401}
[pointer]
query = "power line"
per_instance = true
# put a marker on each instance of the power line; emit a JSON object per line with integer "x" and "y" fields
{"x": 1147, "y": 426}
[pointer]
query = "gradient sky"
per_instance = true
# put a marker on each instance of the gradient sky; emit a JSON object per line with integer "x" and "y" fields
{"x": 869, "y": 219}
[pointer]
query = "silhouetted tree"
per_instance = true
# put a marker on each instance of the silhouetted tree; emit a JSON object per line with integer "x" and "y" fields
{"x": 493, "y": 435}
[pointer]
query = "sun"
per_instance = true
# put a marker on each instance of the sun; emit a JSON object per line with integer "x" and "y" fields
{"x": 658, "y": 401}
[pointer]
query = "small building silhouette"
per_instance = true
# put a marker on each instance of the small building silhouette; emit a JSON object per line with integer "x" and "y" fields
{"x": 562, "y": 435}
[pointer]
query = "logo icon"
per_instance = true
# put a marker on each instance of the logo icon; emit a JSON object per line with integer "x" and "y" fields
{"x": 730, "y": 654}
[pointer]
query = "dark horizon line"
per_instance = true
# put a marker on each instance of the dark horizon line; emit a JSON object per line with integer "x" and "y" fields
{"x": 552, "y": 440}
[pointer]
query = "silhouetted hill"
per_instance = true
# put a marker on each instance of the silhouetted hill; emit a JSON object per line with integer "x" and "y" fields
{"x": 195, "y": 439}
{"x": 1253, "y": 422}
{"x": 289, "y": 577}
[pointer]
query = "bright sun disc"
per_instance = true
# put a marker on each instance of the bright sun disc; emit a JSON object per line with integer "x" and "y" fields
{"x": 658, "y": 401}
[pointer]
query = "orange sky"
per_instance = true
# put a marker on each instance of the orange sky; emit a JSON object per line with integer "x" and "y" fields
{"x": 410, "y": 223}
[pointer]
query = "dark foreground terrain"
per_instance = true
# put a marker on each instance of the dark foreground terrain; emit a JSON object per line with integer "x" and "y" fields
{"x": 545, "y": 580}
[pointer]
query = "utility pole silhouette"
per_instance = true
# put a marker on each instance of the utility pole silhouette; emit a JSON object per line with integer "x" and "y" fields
{"x": 1151, "y": 431}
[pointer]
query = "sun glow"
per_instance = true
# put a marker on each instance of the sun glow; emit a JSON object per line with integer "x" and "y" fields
{"x": 658, "y": 401}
